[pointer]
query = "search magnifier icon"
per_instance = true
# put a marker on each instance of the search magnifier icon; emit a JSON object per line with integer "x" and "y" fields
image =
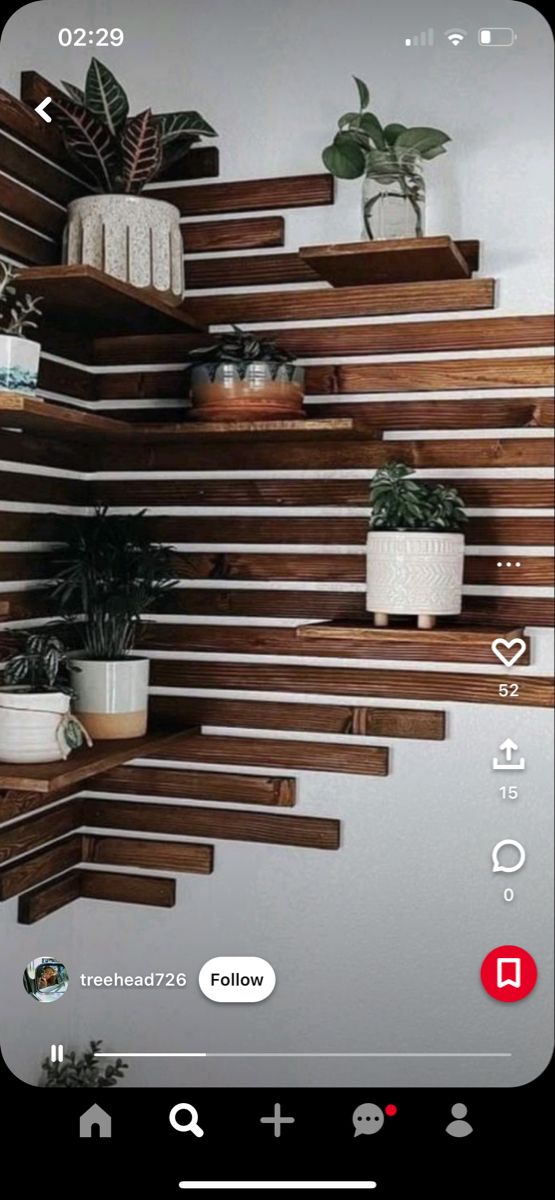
{"x": 191, "y": 1126}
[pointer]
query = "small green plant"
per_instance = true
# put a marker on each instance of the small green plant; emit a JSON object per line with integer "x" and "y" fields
{"x": 16, "y": 316}
{"x": 359, "y": 145}
{"x": 116, "y": 152}
{"x": 240, "y": 347}
{"x": 400, "y": 502}
{"x": 109, "y": 574}
{"x": 82, "y": 1071}
{"x": 41, "y": 665}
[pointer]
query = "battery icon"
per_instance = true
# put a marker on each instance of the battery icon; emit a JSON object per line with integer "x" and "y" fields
{"x": 496, "y": 37}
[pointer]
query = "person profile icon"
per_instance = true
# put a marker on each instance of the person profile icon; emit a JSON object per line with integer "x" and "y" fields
{"x": 459, "y": 1128}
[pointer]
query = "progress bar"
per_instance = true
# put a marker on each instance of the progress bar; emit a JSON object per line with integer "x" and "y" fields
{"x": 278, "y": 1185}
{"x": 298, "y": 1054}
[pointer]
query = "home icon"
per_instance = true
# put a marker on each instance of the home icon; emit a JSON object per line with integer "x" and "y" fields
{"x": 93, "y": 1120}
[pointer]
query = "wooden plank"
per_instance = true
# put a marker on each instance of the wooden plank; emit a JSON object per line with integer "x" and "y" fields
{"x": 127, "y": 889}
{"x": 33, "y": 415}
{"x": 286, "y": 493}
{"x": 147, "y": 348}
{"x": 19, "y": 119}
{"x": 306, "y": 718}
{"x": 77, "y": 294}
{"x": 201, "y": 237}
{"x": 20, "y": 804}
{"x": 67, "y": 380}
{"x": 32, "y": 526}
{"x": 215, "y": 786}
{"x": 398, "y": 260}
{"x": 335, "y": 639}
{"x": 36, "y": 172}
{"x": 320, "y": 833}
{"x": 349, "y": 681}
{"x": 32, "y": 832}
{"x": 491, "y": 530}
{"x": 36, "y": 868}
{"x": 40, "y": 489}
{"x": 439, "y": 375}
{"x": 521, "y": 570}
{"x": 324, "y": 606}
{"x": 313, "y": 304}
{"x": 41, "y": 901}
{"x": 25, "y": 245}
{"x": 364, "y": 452}
{"x": 250, "y": 195}
{"x": 479, "y": 333}
{"x": 81, "y": 765}
{"x": 186, "y": 857}
{"x": 258, "y": 270}
{"x": 42, "y": 451}
{"x": 295, "y": 755}
{"x": 497, "y": 412}
{"x": 25, "y": 605}
{"x": 19, "y": 202}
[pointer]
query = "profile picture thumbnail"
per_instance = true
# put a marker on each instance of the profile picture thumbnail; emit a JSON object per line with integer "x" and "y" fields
{"x": 46, "y": 979}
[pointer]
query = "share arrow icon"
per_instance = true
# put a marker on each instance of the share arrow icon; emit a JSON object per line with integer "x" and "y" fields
{"x": 509, "y": 747}
{"x": 41, "y": 109}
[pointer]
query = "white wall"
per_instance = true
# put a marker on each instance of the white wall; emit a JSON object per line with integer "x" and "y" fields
{"x": 376, "y": 948}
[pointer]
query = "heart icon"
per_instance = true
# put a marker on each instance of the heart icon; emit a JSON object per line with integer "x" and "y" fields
{"x": 501, "y": 644}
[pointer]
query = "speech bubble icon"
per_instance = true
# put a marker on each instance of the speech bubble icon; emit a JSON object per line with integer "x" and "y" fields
{"x": 497, "y": 851}
{"x": 367, "y": 1118}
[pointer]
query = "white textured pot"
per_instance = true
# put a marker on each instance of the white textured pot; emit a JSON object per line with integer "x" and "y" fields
{"x": 111, "y": 697}
{"x": 134, "y": 238}
{"x": 414, "y": 573}
{"x": 32, "y": 726}
{"x": 19, "y": 363}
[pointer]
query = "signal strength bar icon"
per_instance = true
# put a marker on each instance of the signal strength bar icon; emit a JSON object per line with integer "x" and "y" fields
{"x": 455, "y": 36}
{"x": 426, "y": 38}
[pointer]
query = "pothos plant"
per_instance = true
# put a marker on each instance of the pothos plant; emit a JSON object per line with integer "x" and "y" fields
{"x": 16, "y": 316}
{"x": 386, "y": 153}
{"x": 116, "y": 152}
{"x": 400, "y": 503}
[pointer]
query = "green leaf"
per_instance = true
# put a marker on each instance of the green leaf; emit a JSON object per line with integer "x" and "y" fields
{"x": 363, "y": 93}
{"x": 344, "y": 158}
{"x": 105, "y": 97}
{"x": 174, "y": 126}
{"x": 370, "y": 124}
{"x": 87, "y": 141}
{"x": 141, "y": 151}
{"x": 433, "y": 152}
{"x": 76, "y": 93}
{"x": 349, "y": 118}
{"x": 392, "y": 132}
{"x": 421, "y": 139}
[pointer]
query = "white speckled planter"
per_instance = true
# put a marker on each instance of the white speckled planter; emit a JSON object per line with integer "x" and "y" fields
{"x": 414, "y": 573}
{"x": 132, "y": 237}
{"x": 111, "y": 697}
{"x": 19, "y": 364}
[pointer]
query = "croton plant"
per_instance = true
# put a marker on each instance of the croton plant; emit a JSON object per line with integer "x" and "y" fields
{"x": 116, "y": 152}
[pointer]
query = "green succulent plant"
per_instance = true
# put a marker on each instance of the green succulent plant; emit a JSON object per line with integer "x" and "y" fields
{"x": 400, "y": 502}
{"x": 82, "y": 1071}
{"x": 116, "y": 152}
{"x": 239, "y": 347}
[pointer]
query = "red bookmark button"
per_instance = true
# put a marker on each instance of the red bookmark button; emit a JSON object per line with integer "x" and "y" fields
{"x": 508, "y": 973}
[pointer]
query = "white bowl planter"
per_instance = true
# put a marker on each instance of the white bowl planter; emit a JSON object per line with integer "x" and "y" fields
{"x": 32, "y": 726}
{"x": 132, "y": 237}
{"x": 111, "y": 697}
{"x": 414, "y": 573}
{"x": 19, "y": 364}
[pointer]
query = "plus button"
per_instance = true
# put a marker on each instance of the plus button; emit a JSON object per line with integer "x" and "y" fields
{"x": 277, "y": 1120}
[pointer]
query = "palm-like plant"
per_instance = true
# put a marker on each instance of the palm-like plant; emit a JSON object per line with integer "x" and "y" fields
{"x": 109, "y": 574}
{"x": 400, "y": 502}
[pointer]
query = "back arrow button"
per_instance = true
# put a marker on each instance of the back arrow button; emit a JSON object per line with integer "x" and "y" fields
{"x": 40, "y": 109}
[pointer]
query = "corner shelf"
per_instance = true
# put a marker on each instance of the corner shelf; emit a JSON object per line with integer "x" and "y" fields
{"x": 55, "y": 420}
{"x": 395, "y": 260}
{"x": 82, "y": 765}
{"x": 450, "y": 642}
{"x": 110, "y": 308}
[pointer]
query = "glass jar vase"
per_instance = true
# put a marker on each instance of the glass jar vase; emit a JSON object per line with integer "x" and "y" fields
{"x": 393, "y": 195}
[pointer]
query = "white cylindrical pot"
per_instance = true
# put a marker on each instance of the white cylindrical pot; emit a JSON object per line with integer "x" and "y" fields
{"x": 134, "y": 238}
{"x": 111, "y": 698}
{"x": 19, "y": 364}
{"x": 31, "y": 726}
{"x": 414, "y": 573}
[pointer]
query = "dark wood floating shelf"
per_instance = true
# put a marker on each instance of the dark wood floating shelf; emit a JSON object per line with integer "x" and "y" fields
{"x": 456, "y": 643}
{"x": 395, "y": 260}
{"x": 108, "y": 307}
{"x": 30, "y": 413}
{"x": 82, "y": 765}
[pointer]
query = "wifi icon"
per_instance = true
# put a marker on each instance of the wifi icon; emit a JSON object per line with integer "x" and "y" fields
{"x": 455, "y": 36}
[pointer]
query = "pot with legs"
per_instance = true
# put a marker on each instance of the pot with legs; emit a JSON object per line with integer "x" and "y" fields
{"x": 414, "y": 573}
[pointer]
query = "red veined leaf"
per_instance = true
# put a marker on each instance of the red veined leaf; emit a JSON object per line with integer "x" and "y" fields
{"x": 87, "y": 141}
{"x": 141, "y": 151}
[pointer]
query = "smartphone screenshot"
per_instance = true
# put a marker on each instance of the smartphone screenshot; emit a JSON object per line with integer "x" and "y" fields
{"x": 276, "y": 586}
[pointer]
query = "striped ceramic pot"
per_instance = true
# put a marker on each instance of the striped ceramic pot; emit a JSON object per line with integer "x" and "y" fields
{"x": 132, "y": 237}
{"x": 111, "y": 697}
